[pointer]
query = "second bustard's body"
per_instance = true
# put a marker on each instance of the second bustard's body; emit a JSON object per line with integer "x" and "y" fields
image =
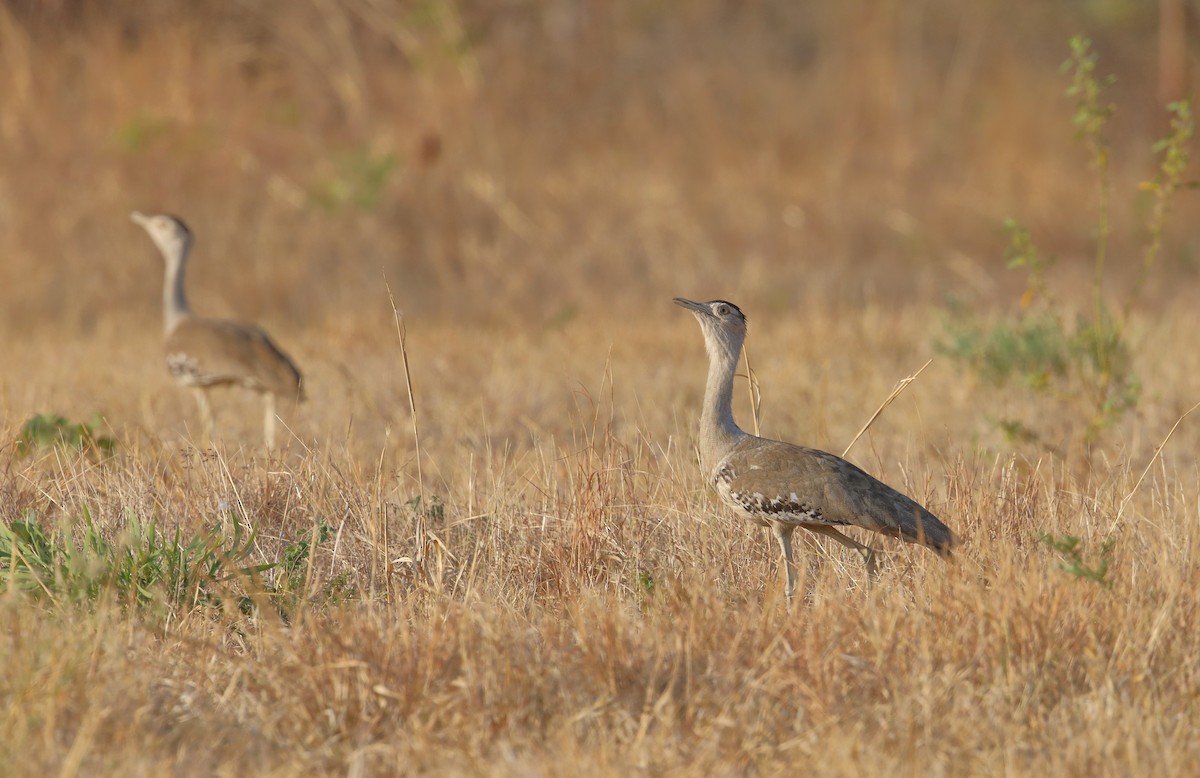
{"x": 785, "y": 486}
{"x": 202, "y": 353}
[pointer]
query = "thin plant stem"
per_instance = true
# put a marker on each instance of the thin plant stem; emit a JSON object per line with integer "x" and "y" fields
{"x": 755, "y": 392}
{"x": 1153, "y": 459}
{"x": 401, "y": 335}
{"x": 900, "y": 387}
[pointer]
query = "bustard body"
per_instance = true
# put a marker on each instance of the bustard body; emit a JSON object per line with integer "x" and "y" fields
{"x": 785, "y": 486}
{"x": 202, "y": 353}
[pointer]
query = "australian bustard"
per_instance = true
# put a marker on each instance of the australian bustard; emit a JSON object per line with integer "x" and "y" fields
{"x": 784, "y": 486}
{"x": 202, "y": 353}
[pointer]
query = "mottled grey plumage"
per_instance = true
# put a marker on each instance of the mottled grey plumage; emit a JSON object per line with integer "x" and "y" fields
{"x": 784, "y": 486}
{"x": 202, "y": 353}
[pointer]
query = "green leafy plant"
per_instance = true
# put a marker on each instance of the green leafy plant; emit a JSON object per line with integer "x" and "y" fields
{"x": 296, "y": 554}
{"x": 47, "y": 431}
{"x": 358, "y": 181}
{"x": 1071, "y": 549}
{"x": 1084, "y": 364}
{"x": 434, "y": 511}
{"x": 437, "y": 35}
{"x": 138, "y": 133}
{"x": 294, "y": 569}
{"x": 143, "y": 566}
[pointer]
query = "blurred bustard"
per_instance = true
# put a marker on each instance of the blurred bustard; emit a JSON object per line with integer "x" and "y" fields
{"x": 784, "y": 486}
{"x": 203, "y": 353}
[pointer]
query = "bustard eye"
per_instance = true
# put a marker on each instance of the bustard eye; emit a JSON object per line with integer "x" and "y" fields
{"x": 722, "y": 310}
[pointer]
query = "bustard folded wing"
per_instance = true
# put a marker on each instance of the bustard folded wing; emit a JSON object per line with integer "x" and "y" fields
{"x": 772, "y": 480}
{"x": 203, "y": 352}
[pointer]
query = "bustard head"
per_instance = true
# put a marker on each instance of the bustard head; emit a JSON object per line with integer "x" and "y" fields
{"x": 168, "y": 232}
{"x": 723, "y": 324}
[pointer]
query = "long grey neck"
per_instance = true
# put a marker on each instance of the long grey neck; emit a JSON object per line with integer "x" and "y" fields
{"x": 175, "y": 306}
{"x": 719, "y": 433}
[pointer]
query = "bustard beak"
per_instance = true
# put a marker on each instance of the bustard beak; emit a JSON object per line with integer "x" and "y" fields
{"x": 692, "y": 306}
{"x": 139, "y": 218}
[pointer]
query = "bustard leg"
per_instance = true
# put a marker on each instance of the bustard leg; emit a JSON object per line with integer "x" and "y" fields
{"x": 206, "y": 416}
{"x": 783, "y": 533}
{"x": 868, "y": 554}
{"x": 269, "y": 420}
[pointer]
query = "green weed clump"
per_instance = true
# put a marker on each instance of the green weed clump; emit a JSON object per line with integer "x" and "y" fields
{"x": 145, "y": 566}
{"x": 139, "y": 133}
{"x": 149, "y": 568}
{"x": 359, "y": 181}
{"x": 294, "y": 572}
{"x": 1085, "y": 363}
{"x": 1071, "y": 549}
{"x": 48, "y": 431}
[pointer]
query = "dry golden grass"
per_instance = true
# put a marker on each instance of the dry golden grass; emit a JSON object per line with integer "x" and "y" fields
{"x": 568, "y": 479}
{"x": 581, "y": 603}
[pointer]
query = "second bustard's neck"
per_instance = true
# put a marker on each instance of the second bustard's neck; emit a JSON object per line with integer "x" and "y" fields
{"x": 175, "y": 306}
{"x": 718, "y": 431}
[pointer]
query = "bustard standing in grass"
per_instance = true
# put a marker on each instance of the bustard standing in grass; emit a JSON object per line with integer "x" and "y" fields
{"x": 784, "y": 486}
{"x": 203, "y": 353}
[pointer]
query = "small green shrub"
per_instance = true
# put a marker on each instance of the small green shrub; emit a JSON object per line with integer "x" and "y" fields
{"x": 47, "y": 431}
{"x": 1084, "y": 365}
{"x": 138, "y": 133}
{"x": 1070, "y": 548}
{"x": 359, "y": 180}
{"x": 292, "y": 582}
{"x": 144, "y": 566}
{"x": 435, "y": 510}
{"x": 294, "y": 563}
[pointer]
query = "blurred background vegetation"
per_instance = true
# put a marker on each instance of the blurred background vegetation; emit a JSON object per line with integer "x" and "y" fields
{"x": 531, "y": 160}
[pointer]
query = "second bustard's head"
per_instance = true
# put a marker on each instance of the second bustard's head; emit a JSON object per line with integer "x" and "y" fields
{"x": 168, "y": 232}
{"x": 723, "y": 324}
{"x": 173, "y": 238}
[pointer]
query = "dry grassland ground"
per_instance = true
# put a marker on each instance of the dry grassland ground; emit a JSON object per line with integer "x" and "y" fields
{"x": 567, "y": 597}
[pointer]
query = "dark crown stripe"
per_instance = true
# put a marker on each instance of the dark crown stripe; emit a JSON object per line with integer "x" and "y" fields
{"x": 726, "y": 302}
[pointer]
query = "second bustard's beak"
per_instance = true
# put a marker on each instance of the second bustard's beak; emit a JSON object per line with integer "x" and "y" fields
{"x": 692, "y": 306}
{"x": 138, "y": 218}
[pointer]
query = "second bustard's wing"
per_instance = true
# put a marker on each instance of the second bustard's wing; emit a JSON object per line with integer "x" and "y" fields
{"x": 773, "y": 480}
{"x": 214, "y": 351}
